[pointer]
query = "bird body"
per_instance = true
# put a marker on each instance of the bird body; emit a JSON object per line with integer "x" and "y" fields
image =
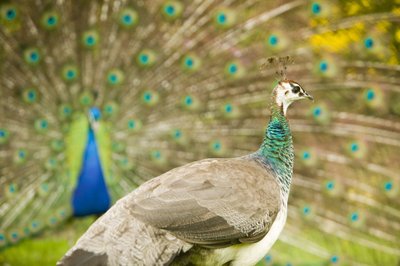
{"x": 227, "y": 228}
{"x": 91, "y": 195}
{"x": 233, "y": 210}
{"x": 88, "y": 168}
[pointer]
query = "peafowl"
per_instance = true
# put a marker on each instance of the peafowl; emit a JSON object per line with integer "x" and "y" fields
{"x": 210, "y": 212}
{"x": 97, "y": 97}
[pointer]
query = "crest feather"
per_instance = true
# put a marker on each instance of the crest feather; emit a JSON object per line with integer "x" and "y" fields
{"x": 280, "y": 65}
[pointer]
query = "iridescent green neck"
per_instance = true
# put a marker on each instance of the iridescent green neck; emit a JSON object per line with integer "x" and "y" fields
{"x": 277, "y": 135}
{"x": 277, "y": 147}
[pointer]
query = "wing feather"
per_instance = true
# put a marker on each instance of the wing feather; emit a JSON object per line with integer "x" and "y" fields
{"x": 213, "y": 202}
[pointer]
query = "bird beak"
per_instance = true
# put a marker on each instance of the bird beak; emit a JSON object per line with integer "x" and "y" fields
{"x": 308, "y": 96}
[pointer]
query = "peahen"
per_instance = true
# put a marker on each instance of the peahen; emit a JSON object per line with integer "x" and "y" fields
{"x": 131, "y": 89}
{"x": 210, "y": 212}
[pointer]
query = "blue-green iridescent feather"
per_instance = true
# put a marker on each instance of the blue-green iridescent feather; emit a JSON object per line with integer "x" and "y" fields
{"x": 277, "y": 146}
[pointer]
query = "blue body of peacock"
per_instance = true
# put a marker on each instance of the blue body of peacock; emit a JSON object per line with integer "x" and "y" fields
{"x": 178, "y": 81}
{"x": 91, "y": 195}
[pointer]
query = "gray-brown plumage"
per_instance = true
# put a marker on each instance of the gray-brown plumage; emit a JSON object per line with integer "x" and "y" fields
{"x": 209, "y": 212}
{"x": 200, "y": 203}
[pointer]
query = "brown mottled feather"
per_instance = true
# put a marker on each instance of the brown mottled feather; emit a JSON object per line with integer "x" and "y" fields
{"x": 210, "y": 203}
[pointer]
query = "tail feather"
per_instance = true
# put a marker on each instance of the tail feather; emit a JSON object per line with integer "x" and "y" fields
{"x": 106, "y": 242}
{"x": 81, "y": 257}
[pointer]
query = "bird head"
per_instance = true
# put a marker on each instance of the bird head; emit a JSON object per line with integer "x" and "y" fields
{"x": 94, "y": 117}
{"x": 288, "y": 91}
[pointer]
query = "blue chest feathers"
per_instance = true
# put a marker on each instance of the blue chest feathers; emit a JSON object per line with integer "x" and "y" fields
{"x": 91, "y": 195}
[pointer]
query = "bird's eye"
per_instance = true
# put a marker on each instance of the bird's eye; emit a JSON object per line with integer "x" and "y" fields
{"x": 296, "y": 89}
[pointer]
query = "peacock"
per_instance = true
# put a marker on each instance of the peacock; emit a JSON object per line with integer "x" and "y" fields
{"x": 224, "y": 211}
{"x": 97, "y": 97}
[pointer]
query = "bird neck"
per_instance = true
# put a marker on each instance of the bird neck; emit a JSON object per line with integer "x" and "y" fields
{"x": 277, "y": 147}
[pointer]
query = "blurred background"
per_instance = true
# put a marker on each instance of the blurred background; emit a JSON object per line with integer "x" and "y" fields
{"x": 97, "y": 97}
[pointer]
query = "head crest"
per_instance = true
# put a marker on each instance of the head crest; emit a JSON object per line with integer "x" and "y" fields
{"x": 279, "y": 64}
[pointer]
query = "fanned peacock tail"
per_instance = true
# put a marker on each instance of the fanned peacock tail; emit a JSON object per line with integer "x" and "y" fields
{"x": 177, "y": 81}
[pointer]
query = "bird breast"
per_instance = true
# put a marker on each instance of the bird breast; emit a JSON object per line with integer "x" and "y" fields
{"x": 250, "y": 254}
